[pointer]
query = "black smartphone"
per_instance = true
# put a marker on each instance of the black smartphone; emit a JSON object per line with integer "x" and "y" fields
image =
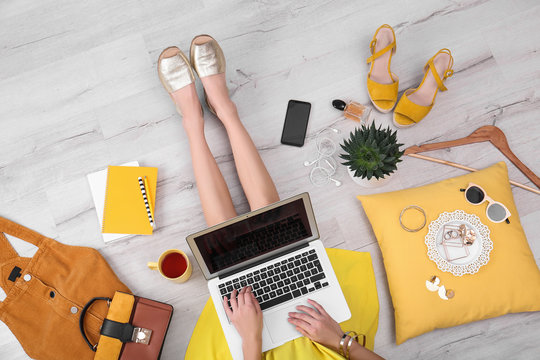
{"x": 296, "y": 120}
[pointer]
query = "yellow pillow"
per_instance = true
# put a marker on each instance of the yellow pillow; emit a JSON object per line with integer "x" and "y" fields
{"x": 355, "y": 275}
{"x": 508, "y": 283}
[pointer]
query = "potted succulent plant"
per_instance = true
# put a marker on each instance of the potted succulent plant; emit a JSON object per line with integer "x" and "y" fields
{"x": 371, "y": 155}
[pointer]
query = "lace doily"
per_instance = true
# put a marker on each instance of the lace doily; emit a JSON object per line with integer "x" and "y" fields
{"x": 476, "y": 260}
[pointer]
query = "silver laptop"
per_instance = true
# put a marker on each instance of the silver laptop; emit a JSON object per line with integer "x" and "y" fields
{"x": 276, "y": 251}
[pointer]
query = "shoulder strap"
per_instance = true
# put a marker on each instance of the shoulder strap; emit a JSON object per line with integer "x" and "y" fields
{"x": 9, "y": 271}
{"x": 19, "y": 231}
{"x": 8, "y": 255}
{"x": 7, "y": 252}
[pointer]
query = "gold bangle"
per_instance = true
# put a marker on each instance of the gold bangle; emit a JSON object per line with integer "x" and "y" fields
{"x": 364, "y": 337}
{"x": 352, "y": 335}
{"x": 349, "y": 345}
{"x": 341, "y": 343}
{"x": 416, "y": 208}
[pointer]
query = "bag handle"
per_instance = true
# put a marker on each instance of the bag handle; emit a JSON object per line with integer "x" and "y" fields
{"x": 83, "y": 314}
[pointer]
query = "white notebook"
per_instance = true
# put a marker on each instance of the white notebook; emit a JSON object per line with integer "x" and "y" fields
{"x": 98, "y": 186}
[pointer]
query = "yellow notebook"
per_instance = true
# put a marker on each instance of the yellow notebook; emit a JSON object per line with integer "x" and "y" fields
{"x": 125, "y": 211}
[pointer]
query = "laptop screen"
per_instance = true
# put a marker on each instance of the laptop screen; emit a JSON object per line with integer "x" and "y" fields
{"x": 254, "y": 236}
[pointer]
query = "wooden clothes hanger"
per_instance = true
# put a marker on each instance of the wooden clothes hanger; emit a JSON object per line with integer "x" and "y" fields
{"x": 485, "y": 133}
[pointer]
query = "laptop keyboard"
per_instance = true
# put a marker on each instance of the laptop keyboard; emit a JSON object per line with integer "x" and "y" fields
{"x": 281, "y": 281}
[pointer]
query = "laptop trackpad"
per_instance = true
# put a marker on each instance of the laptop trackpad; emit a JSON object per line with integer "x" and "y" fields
{"x": 279, "y": 327}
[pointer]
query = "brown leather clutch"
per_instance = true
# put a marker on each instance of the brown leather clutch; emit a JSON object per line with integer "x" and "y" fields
{"x": 134, "y": 329}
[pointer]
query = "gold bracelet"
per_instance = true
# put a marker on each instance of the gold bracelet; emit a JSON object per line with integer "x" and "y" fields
{"x": 417, "y": 208}
{"x": 364, "y": 337}
{"x": 353, "y": 337}
{"x": 341, "y": 343}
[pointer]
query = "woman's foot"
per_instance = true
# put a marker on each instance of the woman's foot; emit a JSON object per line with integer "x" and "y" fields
{"x": 217, "y": 95}
{"x": 208, "y": 60}
{"x": 188, "y": 103}
{"x": 176, "y": 76}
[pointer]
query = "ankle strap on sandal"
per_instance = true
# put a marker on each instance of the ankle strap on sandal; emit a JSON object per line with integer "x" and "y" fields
{"x": 391, "y": 46}
{"x": 447, "y": 73}
{"x": 380, "y": 52}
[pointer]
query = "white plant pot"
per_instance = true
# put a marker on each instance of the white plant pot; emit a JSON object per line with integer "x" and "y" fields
{"x": 371, "y": 183}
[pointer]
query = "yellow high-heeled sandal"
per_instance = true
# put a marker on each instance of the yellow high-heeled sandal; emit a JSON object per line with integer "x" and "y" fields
{"x": 382, "y": 84}
{"x": 415, "y": 104}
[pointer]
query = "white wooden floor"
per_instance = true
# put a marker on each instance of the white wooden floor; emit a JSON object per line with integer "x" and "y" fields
{"x": 79, "y": 91}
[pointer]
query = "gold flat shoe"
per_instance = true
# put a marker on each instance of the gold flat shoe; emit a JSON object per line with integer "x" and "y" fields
{"x": 207, "y": 59}
{"x": 174, "y": 70}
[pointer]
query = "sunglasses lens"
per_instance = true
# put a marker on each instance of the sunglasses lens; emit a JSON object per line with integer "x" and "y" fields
{"x": 475, "y": 195}
{"x": 496, "y": 212}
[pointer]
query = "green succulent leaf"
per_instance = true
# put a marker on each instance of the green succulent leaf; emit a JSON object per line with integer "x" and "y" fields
{"x": 371, "y": 151}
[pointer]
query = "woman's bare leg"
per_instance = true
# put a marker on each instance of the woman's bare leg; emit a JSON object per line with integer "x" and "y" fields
{"x": 215, "y": 198}
{"x": 254, "y": 177}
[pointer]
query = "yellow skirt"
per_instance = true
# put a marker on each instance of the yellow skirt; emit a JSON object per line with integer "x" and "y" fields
{"x": 355, "y": 275}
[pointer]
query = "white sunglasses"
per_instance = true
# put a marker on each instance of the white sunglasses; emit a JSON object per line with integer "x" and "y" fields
{"x": 495, "y": 211}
